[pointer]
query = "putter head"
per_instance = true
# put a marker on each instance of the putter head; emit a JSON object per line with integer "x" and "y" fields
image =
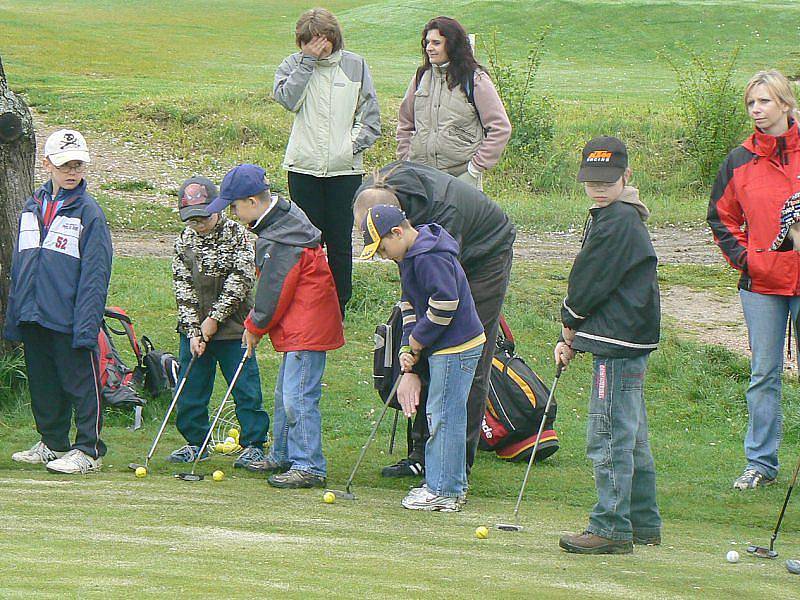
{"x": 508, "y": 527}
{"x": 189, "y": 476}
{"x": 341, "y": 494}
{"x": 762, "y": 552}
{"x": 134, "y": 466}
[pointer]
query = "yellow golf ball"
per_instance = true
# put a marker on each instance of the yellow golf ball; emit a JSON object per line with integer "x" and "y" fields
{"x": 481, "y": 533}
{"x": 234, "y": 433}
{"x": 140, "y": 472}
{"x": 329, "y": 497}
{"x": 218, "y": 476}
{"x": 227, "y": 448}
{"x": 220, "y": 447}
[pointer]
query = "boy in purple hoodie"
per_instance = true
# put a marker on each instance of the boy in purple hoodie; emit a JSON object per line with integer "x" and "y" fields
{"x": 441, "y": 323}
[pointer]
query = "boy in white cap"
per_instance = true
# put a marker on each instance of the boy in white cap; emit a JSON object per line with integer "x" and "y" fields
{"x": 59, "y": 283}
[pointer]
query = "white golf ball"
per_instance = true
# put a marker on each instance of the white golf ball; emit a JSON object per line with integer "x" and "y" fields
{"x": 732, "y": 556}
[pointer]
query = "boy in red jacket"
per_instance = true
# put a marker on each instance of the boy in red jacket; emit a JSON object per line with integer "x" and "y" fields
{"x": 296, "y": 304}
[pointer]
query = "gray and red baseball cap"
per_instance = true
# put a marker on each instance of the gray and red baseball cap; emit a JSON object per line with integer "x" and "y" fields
{"x": 604, "y": 158}
{"x": 194, "y": 197}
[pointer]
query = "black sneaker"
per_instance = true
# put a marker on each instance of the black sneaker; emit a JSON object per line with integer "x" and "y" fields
{"x": 407, "y": 467}
{"x": 294, "y": 479}
{"x": 187, "y": 454}
{"x": 250, "y": 455}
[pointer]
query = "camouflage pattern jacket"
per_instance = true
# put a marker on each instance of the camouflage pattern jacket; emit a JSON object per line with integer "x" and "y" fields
{"x": 213, "y": 276}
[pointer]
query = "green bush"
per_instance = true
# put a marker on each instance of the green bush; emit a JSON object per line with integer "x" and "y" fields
{"x": 711, "y": 110}
{"x": 12, "y": 378}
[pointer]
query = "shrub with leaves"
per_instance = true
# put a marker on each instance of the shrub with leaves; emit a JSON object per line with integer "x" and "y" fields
{"x": 711, "y": 109}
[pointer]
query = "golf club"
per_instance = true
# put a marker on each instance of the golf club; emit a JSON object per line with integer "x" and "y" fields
{"x": 347, "y": 494}
{"x": 192, "y": 476}
{"x": 515, "y": 526}
{"x": 134, "y": 466}
{"x": 761, "y": 551}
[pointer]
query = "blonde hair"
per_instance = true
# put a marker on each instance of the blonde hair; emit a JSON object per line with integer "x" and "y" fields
{"x": 779, "y": 88}
{"x": 318, "y": 21}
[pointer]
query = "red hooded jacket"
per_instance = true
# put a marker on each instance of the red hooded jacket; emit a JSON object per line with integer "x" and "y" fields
{"x": 752, "y": 185}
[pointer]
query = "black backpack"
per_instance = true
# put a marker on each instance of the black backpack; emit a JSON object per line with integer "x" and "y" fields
{"x": 158, "y": 371}
{"x": 515, "y": 406}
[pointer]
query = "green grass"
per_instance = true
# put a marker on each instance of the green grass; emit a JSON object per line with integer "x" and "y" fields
{"x": 159, "y": 535}
{"x": 196, "y": 77}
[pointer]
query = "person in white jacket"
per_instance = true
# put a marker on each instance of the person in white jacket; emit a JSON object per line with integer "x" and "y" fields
{"x": 337, "y": 118}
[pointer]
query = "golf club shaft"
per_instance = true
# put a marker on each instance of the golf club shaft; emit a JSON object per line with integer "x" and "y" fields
{"x": 785, "y": 504}
{"x": 169, "y": 410}
{"x": 559, "y": 369}
{"x": 394, "y": 431}
{"x": 392, "y": 392}
{"x": 219, "y": 410}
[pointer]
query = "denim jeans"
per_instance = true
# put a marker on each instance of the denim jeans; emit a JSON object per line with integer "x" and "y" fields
{"x": 192, "y": 418}
{"x": 766, "y": 316}
{"x": 297, "y": 429}
{"x": 617, "y": 444}
{"x": 446, "y": 412}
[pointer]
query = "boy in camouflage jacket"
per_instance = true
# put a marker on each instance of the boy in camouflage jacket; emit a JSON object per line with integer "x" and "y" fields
{"x": 213, "y": 274}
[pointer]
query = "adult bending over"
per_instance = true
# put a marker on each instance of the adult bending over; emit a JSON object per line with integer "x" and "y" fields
{"x": 336, "y": 118}
{"x": 451, "y": 117}
{"x": 752, "y": 185}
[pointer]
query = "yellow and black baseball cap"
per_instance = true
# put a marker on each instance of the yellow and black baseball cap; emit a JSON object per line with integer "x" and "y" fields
{"x": 379, "y": 220}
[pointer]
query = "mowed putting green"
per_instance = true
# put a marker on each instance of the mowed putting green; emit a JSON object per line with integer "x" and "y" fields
{"x": 112, "y": 535}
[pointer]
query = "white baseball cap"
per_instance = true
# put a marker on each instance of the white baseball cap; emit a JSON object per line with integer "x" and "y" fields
{"x": 65, "y": 145}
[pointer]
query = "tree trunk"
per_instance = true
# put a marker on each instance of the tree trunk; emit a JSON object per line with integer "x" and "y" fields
{"x": 17, "y": 155}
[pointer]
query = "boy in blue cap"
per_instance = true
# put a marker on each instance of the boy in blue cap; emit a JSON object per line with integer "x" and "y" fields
{"x": 439, "y": 321}
{"x": 297, "y": 305}
{"x": 213, "y": 275}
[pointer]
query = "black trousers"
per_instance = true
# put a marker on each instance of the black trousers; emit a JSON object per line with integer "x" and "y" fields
{"x": 328, "y": 203}
{"x": 63, "y": 380}
{"x": 488, "y": 284}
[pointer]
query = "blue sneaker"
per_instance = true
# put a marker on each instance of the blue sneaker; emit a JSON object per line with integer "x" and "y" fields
{"x": 250, "y": 455}
{"x": 187, "y": 454}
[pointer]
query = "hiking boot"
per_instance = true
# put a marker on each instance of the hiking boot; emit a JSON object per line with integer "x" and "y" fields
{"x": 250, "y": 455}
{"x": 589, "y": 543}
{"x": 407, "y": 467}
{"x": 39, "y": 454}
{"x": 74, "y": 462}
{"x": 187, "y": 454}
{"x": 645, "y": 540}
{"x": 425, "y": 499}
{"x": 294, "y": 479}
{"x": 267, "y": 465}
{"x": 751, "y": 479}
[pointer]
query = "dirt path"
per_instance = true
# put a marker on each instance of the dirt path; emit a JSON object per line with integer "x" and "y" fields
{"x": 708, "y": 317}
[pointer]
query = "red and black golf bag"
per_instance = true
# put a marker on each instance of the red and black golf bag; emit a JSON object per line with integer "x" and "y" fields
{"x": 515, "y": 406}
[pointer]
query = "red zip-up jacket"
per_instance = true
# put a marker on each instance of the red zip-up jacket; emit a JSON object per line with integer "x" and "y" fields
{"x": 752, "y": 186}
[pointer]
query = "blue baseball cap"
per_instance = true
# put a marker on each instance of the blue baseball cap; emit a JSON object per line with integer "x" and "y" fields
{"x": 242, "y": 181}
{"x": 379, "y": 220}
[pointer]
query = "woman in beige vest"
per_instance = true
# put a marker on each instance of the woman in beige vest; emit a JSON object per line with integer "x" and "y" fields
{"x": 451, "y": 117}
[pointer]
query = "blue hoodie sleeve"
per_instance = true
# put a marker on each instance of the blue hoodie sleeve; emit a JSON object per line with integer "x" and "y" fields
{"x": 90, "y": 299}
{"x": 11, "y": 330}
{"x": 438, "y": 275}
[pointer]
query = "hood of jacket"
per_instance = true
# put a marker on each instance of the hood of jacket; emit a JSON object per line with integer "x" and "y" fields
{"x": 630, "y": 195}
{"x": 433, "y": 238}
{"x": 286, "y": 224}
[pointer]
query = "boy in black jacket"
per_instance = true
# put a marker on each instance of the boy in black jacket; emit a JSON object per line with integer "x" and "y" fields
{"x": 612, "y": 311}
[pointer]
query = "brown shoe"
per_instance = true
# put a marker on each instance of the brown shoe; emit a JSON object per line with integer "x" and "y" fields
{"x": 589, "y": 543}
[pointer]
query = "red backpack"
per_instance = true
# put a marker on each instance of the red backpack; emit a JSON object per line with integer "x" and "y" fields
{"x": 116, "y": 378}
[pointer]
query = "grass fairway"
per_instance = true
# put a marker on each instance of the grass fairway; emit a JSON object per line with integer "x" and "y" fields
{"x": 111, "y": 535}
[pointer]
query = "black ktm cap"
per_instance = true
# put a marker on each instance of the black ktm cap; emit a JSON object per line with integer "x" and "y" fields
{"x": 604, "y": 158}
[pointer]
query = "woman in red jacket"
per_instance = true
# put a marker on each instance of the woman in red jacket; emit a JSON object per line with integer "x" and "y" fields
{"x": 752, "y": 185}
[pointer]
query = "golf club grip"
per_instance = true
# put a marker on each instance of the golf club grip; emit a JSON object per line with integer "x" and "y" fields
{"x": 389, "y": 398}
{"x": 171, "y": 408}
{"x": 231, "y": 385}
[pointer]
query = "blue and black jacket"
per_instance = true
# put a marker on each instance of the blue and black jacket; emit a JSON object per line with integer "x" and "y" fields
{"x": 60, "y": 272}
{"x": 438, "y": 309}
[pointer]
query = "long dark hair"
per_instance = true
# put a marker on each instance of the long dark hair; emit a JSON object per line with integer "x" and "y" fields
{"x": 456, "y": 44}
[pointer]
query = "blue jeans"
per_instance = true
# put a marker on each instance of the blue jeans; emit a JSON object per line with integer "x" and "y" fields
{"x": 446, "y": 410}
{"x": 766, "y": 316}
{"x": 297, "y": 429}
{"x": 192, "y": 418}
{"x": 617, "y": 445}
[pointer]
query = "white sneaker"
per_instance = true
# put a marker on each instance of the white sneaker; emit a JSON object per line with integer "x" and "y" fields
{"x": 39, "y": 454}
{"x": 421, "y": 491}
{"x": 424, "y": 499}
{"x": 74, "y": 462}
